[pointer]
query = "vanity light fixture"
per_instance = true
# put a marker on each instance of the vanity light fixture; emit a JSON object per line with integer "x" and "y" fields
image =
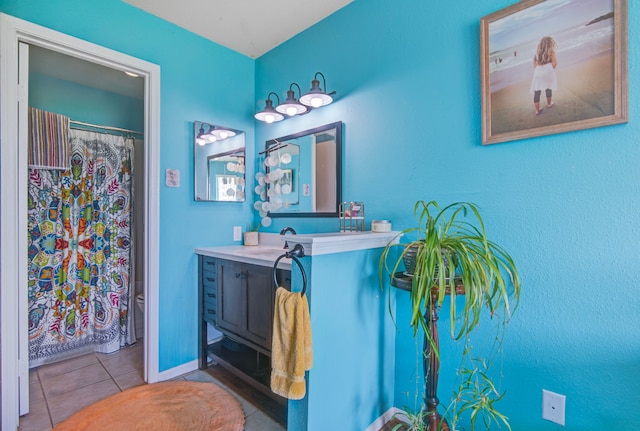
{"x": 317, "y": 97}
{"x": 291, "y": 106}
{"x": 269, "y": 114}
{"x": 214, "y": 134}
{"x": 206, "y": 138}
{"x": 201, "y": 138}
{"x": 223, "y": 134}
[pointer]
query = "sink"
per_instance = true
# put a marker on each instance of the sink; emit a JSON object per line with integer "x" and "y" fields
{"x": 261, "y": 252}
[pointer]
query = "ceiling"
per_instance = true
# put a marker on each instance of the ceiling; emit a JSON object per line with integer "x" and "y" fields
{"x": 65, "y": 67}
{"x": 251, "y": 27}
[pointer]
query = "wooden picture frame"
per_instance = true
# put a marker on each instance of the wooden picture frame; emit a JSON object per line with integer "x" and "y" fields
{"x": 590, "y": 38}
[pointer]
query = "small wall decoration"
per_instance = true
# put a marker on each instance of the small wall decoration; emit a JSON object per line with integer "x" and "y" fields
{"x": 172, "y": 178}
{"x": 553, "y": 66}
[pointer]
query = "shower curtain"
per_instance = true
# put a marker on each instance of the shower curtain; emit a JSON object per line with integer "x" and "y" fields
{"x": 80, "y": 251}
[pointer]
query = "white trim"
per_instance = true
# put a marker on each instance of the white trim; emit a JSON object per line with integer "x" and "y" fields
{"x": 152, "y": 225}
{"x": 386, "y": 417}
{"x": 9, "y": 248}
{"x": 23, "y": 298}
{"x": 178, "y": 371}
{"x": 13, "y": 193}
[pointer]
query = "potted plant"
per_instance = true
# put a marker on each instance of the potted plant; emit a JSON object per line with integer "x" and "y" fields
{"x": 453, "y": 257}
{"x": 251, "y": 235}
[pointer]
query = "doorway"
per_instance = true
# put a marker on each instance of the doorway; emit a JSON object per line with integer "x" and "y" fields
{"x": 13, "y": 183}
{"x": 93, "y": 211}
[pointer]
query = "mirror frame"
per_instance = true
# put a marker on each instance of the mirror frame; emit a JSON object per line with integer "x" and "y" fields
{"x": 338, "y": 127}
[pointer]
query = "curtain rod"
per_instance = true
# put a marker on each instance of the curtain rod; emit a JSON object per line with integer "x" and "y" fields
{"x": 117, "y": 129}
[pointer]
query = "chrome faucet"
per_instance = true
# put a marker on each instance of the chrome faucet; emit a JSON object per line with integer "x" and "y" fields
{"x": 284, "y": 232}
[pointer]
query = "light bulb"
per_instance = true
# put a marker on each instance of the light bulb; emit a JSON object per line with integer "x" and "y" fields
{"x": 223, "y": 135}
{"x": 269, "y": 118}
{"x": 212, "y": 138}
{"x": 201, "y": 142}
{"x": 316, "y": 102}
{"x": 291, "y": 111}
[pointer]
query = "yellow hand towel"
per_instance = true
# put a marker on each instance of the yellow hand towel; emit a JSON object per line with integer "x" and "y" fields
{"x": 291, "y": 353}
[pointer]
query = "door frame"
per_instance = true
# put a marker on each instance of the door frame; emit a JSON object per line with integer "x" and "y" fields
{"x": 13, "y": 196}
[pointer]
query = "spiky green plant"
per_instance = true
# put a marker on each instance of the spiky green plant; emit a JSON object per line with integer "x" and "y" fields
{"x": 453, "y": 249}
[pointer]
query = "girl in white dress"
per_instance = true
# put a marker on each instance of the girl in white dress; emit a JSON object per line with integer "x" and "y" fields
{"x": 544, "y": 74}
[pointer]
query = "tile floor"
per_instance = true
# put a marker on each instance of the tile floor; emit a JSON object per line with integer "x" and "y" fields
{"x": 59, "y": 390}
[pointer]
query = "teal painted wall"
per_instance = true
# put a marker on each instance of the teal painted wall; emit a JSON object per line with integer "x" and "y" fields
{"x": 200, "y": 80}
{"x": 353, "y": 336}
{"x": 85, "y": 104}
{"x": 566, "y": 206}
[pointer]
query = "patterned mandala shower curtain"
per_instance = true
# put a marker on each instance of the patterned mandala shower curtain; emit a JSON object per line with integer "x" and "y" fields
{"x": 80, "y": 251}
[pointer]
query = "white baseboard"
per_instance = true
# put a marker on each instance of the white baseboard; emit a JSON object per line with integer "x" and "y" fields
{"x": 386, "y": 417}
{"x": 178, "y": 371}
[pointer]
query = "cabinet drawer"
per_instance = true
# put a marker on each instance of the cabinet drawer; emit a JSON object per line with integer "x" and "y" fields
{"x": 209, "y": 264}
{"x": 210, "y": 293}
{"x": 209, "y": 279}
{"x": 210, "y": 311}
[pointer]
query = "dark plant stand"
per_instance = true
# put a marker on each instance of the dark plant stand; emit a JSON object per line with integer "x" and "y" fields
{"x": 431, "y": 362}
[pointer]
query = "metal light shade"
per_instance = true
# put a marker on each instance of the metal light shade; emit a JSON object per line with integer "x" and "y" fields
{"x": 222, "y": 134}
{"x": 268, "y": 114}
{"x": 316, "y": 97}
{"x": 209, "y": 136}
{"x": 201, "y": 138}
{"x": 291, "y": 106}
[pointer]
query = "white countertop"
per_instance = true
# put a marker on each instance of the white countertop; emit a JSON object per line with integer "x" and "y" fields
{"x": 340, "y": 242}
{"x": 271, "y": 246}
{"x": 258, "y": 255}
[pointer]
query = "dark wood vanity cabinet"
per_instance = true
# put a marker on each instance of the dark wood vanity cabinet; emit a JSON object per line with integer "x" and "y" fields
{"x": 245, "y": 302}
{"x": 237, "y": 298}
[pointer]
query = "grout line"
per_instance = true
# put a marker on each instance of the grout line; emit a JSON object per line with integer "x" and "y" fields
{"x": 44, "y": 397}
{"x": 109, "y": 374}
{"x": 82, "y": 386}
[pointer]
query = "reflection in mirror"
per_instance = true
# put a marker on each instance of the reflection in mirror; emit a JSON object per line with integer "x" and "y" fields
{"x": 304, "y": 172}
{"x": 219, "y": 161}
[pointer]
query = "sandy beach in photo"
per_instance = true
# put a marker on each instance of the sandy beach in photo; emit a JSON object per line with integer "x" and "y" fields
{"x": 585, "y": 91}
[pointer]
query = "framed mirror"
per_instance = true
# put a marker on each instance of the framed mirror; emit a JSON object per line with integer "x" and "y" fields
{"x": 219, "y": 161}
{"x": 305, "y": 173}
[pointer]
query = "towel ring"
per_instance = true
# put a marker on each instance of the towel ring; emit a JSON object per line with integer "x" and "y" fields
{"x": 298, "y": 251}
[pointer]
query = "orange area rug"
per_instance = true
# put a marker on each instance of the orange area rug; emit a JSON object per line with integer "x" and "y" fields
{"x": 167, "y": 406}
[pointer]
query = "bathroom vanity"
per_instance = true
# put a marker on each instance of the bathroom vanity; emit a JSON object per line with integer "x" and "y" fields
{"x": 353, "y": 335}
{"x": 236, "y": 296}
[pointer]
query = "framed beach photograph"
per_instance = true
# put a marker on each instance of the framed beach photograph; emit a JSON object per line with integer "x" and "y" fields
{"x": 553, "y": 66}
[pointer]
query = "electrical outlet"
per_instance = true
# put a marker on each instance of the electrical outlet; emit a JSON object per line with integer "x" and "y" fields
{"x": 553, "y": 407}
{"x": 237, "y": 233}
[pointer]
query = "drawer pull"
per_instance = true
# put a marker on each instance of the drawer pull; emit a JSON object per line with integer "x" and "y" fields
{"x": 209, "y": 262}
{"x": 210, "y": 279}
{"x": 211, "y": 295}
{"x": 211, "y": 311}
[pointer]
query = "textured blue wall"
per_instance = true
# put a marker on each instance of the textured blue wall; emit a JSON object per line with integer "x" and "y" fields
{"x": 353, "y": 334}
{"x": 566, "y": 206}
{"x": 199, "y": 81}
{"x": 86, "y": 104}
